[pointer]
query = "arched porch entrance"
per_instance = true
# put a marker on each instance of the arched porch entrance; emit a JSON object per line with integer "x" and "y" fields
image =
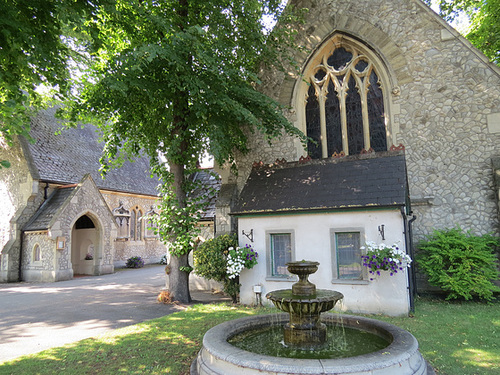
{"x": 85, "y": 246}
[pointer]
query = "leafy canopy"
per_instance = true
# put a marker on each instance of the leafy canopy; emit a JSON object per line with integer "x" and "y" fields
{"x": 484, "y": 16}
{"x": 180, "y": 78}
{"x": 177, "y": 79}
{"x": 33, "y": 53}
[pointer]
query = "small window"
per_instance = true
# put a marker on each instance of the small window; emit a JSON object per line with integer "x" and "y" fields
{"x": 138, "y": 232}
{"x": 122, "y": 218}
{"x": 37, "y": 253}
{"x": 347, "y": 256}
{"x": 280, "y": 251}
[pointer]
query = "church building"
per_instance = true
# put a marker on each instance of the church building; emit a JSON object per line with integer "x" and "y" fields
{"x": 403, "y": 116}
{"x": 60, "y": 218}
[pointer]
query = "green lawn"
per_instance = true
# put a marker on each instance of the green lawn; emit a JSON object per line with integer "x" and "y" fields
{"x": 456, "y": 338}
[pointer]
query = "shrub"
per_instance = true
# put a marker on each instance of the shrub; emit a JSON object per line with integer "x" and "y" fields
{"x": 460, "y": 263}
{"x": 221, "y": 259}
{"x": 134, "y": 262}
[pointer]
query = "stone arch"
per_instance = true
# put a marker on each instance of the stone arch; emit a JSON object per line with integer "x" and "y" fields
{"x": 86, "y": 245}
{"x": 373, "y": 37}
{"x": 387, "y": 79}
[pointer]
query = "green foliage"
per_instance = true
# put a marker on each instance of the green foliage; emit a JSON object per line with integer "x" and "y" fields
{"x": 4, "y": 164}
{"x": 484, "y": 16}
{"x": 210, "y": 258}
{"x": 175, "y": 80}
{"x": 33, "y": 52}
{"x": 460, "y": 263}
{"x": 210, "y": 261}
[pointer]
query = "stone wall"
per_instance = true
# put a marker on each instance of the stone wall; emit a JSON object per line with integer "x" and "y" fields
{"x": 444, "y": 107}
{"x": 45, "y": 270}
{"x": 20, "y": 197}
{"x": 150, "y": 249}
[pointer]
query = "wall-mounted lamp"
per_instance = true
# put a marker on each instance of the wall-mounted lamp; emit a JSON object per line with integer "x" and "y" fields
{"x": 248, "y": 235}
{"x": 381, "y": 231}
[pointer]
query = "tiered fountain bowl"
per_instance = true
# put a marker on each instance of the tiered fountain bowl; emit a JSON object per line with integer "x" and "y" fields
{"x": 304, "y": 304}
{"x": 304, "y": 329}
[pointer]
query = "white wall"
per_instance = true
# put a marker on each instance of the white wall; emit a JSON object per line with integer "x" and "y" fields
{"x": 385, "y": 294}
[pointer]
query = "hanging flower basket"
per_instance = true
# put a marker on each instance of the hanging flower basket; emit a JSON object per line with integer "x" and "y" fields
{"x": 382, "y": 257}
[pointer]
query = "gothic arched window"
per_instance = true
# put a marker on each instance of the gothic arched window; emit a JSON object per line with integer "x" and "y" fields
{"x": 344, "y": 107}
{"x": 136, "y": 224}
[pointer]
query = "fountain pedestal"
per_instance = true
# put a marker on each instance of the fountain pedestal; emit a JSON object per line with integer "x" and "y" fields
{"x": 304, "y": 304}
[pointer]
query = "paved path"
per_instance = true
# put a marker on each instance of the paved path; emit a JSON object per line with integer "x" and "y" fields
{"x": 36, "y": 316}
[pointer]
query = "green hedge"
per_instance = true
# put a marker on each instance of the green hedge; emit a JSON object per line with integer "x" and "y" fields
{"x": 463, "y": 265}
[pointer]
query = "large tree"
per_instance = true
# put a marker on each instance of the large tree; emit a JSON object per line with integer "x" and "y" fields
{"x": 484, "y": 16}
{"x": 176, "y": 79}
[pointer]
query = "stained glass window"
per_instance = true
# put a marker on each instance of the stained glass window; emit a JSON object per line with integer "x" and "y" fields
{"x": 345, "y": 105}
{"x": 313, "y": 124}
{"x": 333, "y": 123}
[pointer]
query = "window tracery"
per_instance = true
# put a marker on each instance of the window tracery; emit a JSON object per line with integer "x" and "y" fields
{"x": 344, "y": 107}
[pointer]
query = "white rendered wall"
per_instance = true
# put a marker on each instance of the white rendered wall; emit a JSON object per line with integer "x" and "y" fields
{"x": 312, "y": 236}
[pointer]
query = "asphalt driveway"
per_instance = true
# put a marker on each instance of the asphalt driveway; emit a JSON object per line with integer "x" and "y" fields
{"x": 38, "y": 316}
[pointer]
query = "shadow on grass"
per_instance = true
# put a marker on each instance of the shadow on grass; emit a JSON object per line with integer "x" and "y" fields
{"x": 456, "y": 338}
{"x": 159, "y": 346}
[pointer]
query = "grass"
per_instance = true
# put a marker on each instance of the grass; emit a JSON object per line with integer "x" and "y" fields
{"x": 456, "y": 338}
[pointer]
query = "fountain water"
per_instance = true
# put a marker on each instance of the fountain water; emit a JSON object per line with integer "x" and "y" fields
{"x": 304, "y": 304}
{"x": 304, "y": 329}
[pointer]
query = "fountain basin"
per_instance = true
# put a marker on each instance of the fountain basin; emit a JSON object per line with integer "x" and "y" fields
{"x": 305, "y": 329}
{"x": 217, "y": 356}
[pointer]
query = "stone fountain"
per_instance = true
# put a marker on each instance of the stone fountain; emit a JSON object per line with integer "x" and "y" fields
{"x": 304, "y": 328}
{"x": 304, "y": 305}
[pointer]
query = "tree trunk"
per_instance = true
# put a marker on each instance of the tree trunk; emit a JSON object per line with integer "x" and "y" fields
{"x": 179, "y": 280}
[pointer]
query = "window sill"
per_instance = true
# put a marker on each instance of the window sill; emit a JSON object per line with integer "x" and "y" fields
{"x": 121, "y": 239}
{"x": 277, "y": 278}
{"x": 350, "y": 282}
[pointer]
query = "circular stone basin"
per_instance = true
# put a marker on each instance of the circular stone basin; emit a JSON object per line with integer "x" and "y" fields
{"x": 218, "y": 356}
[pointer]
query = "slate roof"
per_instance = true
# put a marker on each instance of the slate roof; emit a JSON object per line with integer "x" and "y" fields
{"x": 49, "y": 209}
{"x": 359, "y": 181}
{"x": 210, "y": 186}
{"x": 67, "y": 157}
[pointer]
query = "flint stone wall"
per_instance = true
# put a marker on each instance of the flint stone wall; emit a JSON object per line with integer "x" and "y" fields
{"x": 444, "y": 107}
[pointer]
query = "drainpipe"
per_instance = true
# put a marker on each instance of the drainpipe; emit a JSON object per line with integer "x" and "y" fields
{"x": 19, "y": 276}
{"x": 412, "y": 285}
{"x": 45, "y": 191}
